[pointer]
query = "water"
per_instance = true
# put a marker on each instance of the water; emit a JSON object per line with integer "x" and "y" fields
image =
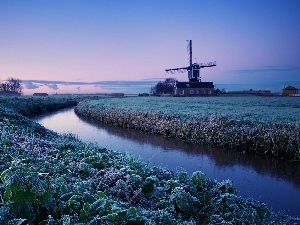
{"x": 271, "y": 181}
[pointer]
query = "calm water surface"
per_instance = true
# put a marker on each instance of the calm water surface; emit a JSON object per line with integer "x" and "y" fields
{"x": 274, "y": 182}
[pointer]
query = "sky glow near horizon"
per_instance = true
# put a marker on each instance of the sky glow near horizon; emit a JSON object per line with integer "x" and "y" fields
{"x": 88, "y": 43}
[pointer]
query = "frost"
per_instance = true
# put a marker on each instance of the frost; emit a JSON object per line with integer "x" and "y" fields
{"x": 48, "y": 178}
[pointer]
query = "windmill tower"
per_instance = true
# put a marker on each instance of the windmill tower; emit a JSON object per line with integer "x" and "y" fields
{"x": 194, "y": 68}
{"x": 194, "y": 87}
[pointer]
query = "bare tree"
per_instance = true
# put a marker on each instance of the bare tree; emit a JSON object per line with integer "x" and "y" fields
{"x": 13, "y": 85}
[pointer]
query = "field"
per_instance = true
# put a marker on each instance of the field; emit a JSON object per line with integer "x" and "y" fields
{"x": 46, "y": 178}
{"x": 253, "y": 108}
{"x": 261, "y": 125}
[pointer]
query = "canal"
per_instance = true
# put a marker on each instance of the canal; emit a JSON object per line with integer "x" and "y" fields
{"x": 269, "y": 180}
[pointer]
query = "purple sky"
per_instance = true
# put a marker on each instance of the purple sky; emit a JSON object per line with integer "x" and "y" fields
{"x": 253, "y": 41}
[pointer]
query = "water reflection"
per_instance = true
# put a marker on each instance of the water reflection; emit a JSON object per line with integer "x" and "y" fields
{"x": 269, "y": 180}
{"x": 281, "y": 169}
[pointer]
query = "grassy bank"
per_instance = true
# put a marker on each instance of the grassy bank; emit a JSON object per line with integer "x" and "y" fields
{"x": 48, "y": 178}
{"x": 30, "y": 106}
{"x": 253, "y": 124}
{"x": 33, "y": 106}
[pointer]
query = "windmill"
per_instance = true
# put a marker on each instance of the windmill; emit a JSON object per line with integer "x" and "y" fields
{"x": 194, "y": 68}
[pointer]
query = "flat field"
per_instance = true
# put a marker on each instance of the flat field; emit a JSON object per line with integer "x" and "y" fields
{"x": 253, "y": 108}
{"x": 263, "y": 125}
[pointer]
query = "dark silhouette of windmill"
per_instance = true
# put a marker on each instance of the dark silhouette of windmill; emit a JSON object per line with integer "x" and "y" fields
{"x": 194, "y": 68}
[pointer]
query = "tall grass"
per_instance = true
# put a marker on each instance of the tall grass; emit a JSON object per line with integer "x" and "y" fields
{"x": 188, "y": 120}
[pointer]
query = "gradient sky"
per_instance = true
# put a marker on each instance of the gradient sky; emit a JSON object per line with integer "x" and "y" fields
{"x": 49, "y": 43}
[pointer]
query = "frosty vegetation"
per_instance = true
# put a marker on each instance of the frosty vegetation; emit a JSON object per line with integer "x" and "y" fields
{"x": 260, "y": 125}
{"x": 46, "y": 178}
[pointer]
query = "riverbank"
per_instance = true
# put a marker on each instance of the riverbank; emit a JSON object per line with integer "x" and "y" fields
{"x": 31, "y": 106}
{"x": 50, "y": 178}
{"x": 267, "y": 132}
{"x": 272, "y": 181}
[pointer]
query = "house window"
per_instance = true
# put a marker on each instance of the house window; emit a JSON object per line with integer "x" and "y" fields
{"x": 209, "y": 92}
{"x": 203, "y": 92}
{"x": 181, "y": 92}
{"x": 191, "y": 92}
{"x": 197, "y": 92}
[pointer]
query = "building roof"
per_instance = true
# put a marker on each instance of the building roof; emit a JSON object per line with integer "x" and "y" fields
{"x": 40, "y": 94}
{"x": 194, "y": 85}
{"x": 290, "y": 88}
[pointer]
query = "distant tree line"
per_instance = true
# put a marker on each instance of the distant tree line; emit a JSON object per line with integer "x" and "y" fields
{"x": 11, "y": 86}
{"x": 164, "y": 87}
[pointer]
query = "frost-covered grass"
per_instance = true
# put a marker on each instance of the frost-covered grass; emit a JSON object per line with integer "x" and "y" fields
{"x": 31, "y": 106}
{"x": 46, "y": 178}
{"x": 238, "y": 123}
{"x": 253, "y": 108}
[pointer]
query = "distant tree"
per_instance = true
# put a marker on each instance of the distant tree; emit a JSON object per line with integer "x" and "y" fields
{"x": 13, "y": 85}
{"x": 165, "y": 87}
{"x": 217, "y": 91}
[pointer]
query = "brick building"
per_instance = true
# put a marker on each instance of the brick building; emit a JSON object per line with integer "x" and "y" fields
{"x": 194, "y": 89}
{"x": 289, "y": 90}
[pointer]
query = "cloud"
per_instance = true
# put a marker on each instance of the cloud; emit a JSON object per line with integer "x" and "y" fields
{"x": 110, "y": 86}
{"x": 52, "y": 86}
{"x": 31, "y": 85}
{"x": 50, "y": 82}
{"x": 153, "y": 79}
{"x": 268, "y": 69}
{"x": 126, "y": 86}
{"x": 34, "y": 84}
